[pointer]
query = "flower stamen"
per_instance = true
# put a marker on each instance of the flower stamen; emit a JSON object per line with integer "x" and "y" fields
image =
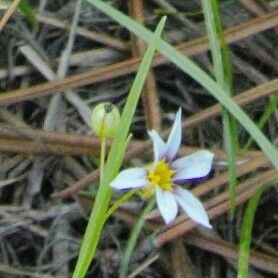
{"x": 161, "y": 175}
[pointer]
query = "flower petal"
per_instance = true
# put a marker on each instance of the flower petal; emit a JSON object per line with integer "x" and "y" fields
{"x": 159, "y": 146}
{"x": 192, "y": 206}
{"x": 174, "y": 139}
{"x": 196, "y": 165}
{"x": 130, "y": 178}
{"x": 167, "y": 204}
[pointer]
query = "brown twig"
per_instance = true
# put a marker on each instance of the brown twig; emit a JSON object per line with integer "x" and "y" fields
{"x": 193, "y": 47}
{"x": 251, "y": 6}
{"x": 230, "y": 251}
{"x": 249, "y": 96}
{"x": 265, "y": 89}
{"x": 81, "y": 31}
{"x": 9, "y": 131}
{"x": 150, "y": 97}
{"x": 36, "y": 147}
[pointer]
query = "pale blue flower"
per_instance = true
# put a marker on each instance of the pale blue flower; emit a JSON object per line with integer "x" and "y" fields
{"x": 166, "y": 174}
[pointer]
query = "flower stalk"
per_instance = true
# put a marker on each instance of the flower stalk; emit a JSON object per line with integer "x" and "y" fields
{"x": 102, "y": 157}
{"x": 114, "y": 161}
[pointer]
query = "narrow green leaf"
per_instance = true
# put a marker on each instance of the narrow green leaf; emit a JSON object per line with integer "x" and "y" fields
{"x": 114, "y": 161}
{"x": 246, "y": 235}
{"x": 119, "y": 203}
{"x": 27, "y": 10}
{"x": 133, "y": 238}
{"x": 271, "y": 107}
{"x": 223, "y": 73}
{"x": 196, "y": 73}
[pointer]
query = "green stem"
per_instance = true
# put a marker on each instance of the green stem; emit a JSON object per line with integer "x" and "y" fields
{"x": 133, "y": 238}
{"x": 102, "y": 156}
{"x": 114, "y": 161}
{"x": 223, "y": 73}
{"x": 263, "y": 120}
{"x": 119, "y": 203}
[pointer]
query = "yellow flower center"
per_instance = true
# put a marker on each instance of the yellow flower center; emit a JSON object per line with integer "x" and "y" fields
{"x": 161, "y": 175}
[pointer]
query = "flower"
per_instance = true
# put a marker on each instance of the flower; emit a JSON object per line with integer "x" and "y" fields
{"x": 166, "y": 174}
{"x": 105, "y": 120}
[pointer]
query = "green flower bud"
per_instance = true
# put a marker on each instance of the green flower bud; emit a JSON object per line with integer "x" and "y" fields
{"x": 105, "y": 120}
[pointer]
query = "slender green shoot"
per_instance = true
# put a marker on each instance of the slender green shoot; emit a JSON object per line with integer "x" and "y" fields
{"x": 114, "y": 160}
{"x": 133, "y": 238}
{"x": 27, "y": 10}
{"x": 197, "y": 74}
{"x": 223, "y": 73}
{"x": 120, "y": 202}
{"x": 272, "y": 106}
{"x": 246, "y": 234}
{"x": 102, "y": 156}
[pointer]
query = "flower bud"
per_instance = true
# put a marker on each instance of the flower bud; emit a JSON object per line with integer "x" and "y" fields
{"x": 105, "y": 120}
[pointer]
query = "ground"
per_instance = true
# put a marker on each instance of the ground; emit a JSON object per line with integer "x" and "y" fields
{"x": 52, "y": 76}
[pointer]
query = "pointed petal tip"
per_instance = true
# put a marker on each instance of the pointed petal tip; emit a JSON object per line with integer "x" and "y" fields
{"x": 168, "y": 221}
{"x": 192, "y": 207}
{"x": 150, "y": 132}
{"x": 159, "y": 146}
{"x": 174, "y": 139}
{"x": 205, "y": 224}
{"x": 209, "y": 226}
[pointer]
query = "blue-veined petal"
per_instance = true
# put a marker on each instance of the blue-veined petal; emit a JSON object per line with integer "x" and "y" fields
{"x": 174, "y": 139}
{"x": 194, "y": 166}
{"x": 159, "y": 146}
{"x": 192, "y": 206}
{"x": 167, "y": 204}
{"x": 130, "y": 178}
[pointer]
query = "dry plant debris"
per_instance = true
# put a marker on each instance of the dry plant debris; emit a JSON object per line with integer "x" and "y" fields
{"x": 49, "y": 81}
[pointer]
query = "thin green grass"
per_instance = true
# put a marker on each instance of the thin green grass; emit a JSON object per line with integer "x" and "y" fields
{"x": 271, "y": 107}
{"x": 114, "y": 161}
{"x": 133, "y": 238}
{"x": 223, "y": 73}
{"x": 246, "y": 235}
{"x": 120, "y": 202}
{"x": 27, "y": 10}
{"x": 196, "y": 73}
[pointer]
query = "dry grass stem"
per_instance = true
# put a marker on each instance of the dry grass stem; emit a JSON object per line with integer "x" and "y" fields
{"x": 194, "y": 47}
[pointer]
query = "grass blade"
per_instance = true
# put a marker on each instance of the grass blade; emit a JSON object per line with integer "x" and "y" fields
{"x": 27, "y": 10}
{"x": 196, "y": 73}
{"x": 272, "y": 106}
{"x": 246, "y": 234}
{"x": 130, "y": 246}
{"x": 114, "y": 161}
{"x": 223, "y": 73}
